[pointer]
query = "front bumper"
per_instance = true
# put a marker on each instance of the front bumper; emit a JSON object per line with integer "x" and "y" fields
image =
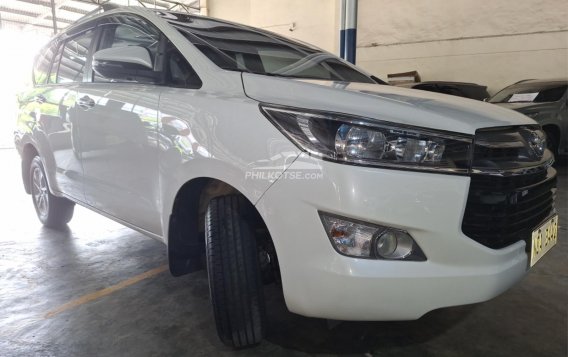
{"x": 319, "y": 282}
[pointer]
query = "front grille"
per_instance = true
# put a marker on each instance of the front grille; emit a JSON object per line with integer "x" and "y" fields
{"x": 502, "y": 210}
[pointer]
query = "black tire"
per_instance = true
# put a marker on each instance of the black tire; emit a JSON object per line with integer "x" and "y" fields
{"x": 235, "y": 283}
{"x": 52, "y": 211}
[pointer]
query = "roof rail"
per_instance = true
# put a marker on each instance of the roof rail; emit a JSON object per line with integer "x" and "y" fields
{"x": 169, "y": 5}
{"x": 166, "y": 5}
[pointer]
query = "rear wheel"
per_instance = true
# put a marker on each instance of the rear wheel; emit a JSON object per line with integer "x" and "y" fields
{"x": 52, "y": 211}
{"x": 234, "y": 276}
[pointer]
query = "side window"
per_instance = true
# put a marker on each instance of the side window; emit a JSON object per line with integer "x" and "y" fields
{"x": 552, "y": 94}
{"x": 74, "y": 58}
{"x": 125, "y": 31}
{"x": 42, "y": 65}
{"x": 178, "y": 71}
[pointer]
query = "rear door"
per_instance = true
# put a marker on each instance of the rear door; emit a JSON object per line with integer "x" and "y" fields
{"x": 57, "y": 72}
{"x": 70, "y": 67}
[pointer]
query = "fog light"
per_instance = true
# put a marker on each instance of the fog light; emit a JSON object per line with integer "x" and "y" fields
{"x": 366, "y": 240}
{"x": 394, "y": 244}
{"x": 349, "y": 238}
{"x": 386, "y": 244}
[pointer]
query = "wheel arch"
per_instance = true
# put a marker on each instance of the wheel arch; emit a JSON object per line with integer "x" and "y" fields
{"x": 36, "y": 144}
{"x": 29, "y": 151}
{"x": 185, "y": 237}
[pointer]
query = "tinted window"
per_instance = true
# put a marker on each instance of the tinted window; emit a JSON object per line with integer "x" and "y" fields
{"x": 74, "y": 58}
{"x": 42, "y": 65}
{"x": 122, "y": 31}
{"x": 530, "y": 93}
{"x": 241, "y": 48}
{"x": 178, "y": 71}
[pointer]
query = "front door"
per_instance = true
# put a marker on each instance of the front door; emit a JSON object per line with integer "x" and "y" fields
{"x": 118, "y": 151}
{"x": 118, "y": 129}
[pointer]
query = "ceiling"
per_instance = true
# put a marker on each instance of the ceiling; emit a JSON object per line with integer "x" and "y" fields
{"x": 38, "y": 15}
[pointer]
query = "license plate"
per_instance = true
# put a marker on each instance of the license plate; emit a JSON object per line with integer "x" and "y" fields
{"x": 543, "y": 239}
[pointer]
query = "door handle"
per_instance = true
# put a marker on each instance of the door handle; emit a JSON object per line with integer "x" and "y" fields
{"x": 86, "y": 102}
{"x": 40, "y": 99}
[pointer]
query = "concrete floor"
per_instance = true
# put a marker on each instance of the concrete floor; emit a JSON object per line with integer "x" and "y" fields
{"x": 52, "y": 301}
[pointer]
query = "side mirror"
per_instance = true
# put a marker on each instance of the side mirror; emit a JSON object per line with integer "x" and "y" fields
{"x": 130, "y": 63}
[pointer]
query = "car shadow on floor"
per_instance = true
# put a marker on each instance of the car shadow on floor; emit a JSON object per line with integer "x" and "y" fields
{"x": 315, "y": 336}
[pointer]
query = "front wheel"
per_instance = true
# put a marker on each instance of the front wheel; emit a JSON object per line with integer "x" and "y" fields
{"x": 235, "y": 282}
{"x": 52, "y": 211}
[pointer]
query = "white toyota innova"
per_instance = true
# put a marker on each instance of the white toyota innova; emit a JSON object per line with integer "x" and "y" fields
{"x": 269, "y": 160}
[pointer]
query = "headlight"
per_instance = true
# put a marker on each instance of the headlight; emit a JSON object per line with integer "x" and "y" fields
{"x": 342, "y": 138}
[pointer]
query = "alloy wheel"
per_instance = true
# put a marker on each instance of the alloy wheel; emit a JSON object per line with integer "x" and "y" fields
{"x": 40, "y": 192}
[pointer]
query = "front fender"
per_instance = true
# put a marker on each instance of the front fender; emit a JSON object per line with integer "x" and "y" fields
{"x": 218, "y": 136}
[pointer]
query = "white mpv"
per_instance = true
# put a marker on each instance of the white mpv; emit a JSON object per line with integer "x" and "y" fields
{"x": 271, "y": 161}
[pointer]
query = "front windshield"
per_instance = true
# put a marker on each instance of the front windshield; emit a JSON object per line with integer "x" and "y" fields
{"x": 528, "y": 92}
{"x": 241, "y": 48}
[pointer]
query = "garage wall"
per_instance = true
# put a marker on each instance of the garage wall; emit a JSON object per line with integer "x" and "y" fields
{"x": 316, "y": 21}
{"x": 495, "y": 43}
{"x": 491, "y": 42}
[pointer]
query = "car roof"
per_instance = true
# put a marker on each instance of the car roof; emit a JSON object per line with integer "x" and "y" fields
{"x": 544, "y": 81}
{"x": 168, "y": 16}
{"x": 104, "y": 10}
{"x": 414, "y": 84}
{"x": 110, "y": 9}
{"x": 450, "y": 83}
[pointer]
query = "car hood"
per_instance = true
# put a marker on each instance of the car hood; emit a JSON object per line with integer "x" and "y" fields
{"x": 382, "y": 102}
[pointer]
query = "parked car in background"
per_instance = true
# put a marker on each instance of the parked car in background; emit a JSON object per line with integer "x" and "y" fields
{"x": 460, "y": 89}
{"x": 544, "y": 101}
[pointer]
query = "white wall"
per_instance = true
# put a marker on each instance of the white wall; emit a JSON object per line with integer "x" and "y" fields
{"x": 232, "y": 10}
{"x": 490, "y": 42}
{"x": 316, "y": 20}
